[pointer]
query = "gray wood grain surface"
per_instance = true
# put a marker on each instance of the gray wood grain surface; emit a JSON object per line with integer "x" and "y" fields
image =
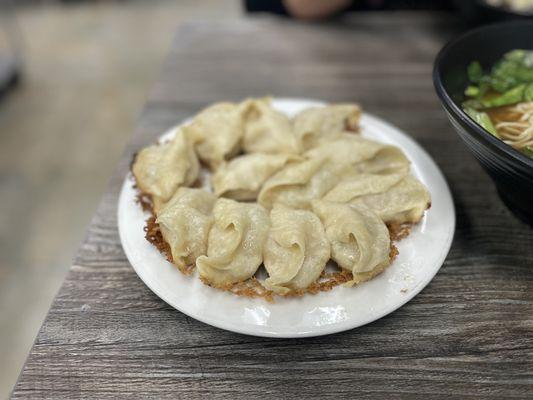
{"x": 468, "y": 334}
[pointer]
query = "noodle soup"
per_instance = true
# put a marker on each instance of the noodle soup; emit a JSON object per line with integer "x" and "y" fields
{"x": 501, "y": 101}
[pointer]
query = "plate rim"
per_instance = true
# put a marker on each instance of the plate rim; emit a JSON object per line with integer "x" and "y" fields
{"x": 263, "y": 331}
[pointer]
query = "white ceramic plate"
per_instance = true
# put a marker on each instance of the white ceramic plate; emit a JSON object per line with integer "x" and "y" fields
{"x": 421, "y": 255}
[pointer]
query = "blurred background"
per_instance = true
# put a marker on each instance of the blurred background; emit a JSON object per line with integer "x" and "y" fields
{"x": 86, "y": 68}
{"x": 73, "y": 77}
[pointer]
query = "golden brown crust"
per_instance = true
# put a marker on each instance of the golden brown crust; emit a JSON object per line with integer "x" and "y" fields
{"x": 352, "y": 124}
{"x": 251, "y": 288}
{"x": 145, "y": 201}
{"x": 154, "y": 236}
{"x": 398, "y": 232}
{"x": 393, "y": 253}
{"x": 326, "y": 282}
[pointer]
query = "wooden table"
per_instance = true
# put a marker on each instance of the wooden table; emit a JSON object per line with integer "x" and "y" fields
{"x": 467, "y": 335}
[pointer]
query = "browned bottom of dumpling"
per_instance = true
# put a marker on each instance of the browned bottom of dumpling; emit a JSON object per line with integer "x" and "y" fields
{"x": 252, "y": 288}
{"x": 249, "y": 288}
{"x": 145, "y": 201}
{"x": 154, "y": 236}
{"x": 398, "y": 232}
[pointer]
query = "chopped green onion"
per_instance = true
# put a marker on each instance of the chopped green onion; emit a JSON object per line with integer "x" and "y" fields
{"x": 475, "y": 72}
{"x": 482, "y": 119}
{"x": 472, "y": 91}
{"x": 512, "y": 96}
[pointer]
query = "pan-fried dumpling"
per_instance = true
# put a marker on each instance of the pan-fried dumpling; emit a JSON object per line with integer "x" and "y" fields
{"x": 235, "y": 243}
{"x": 298, "y": 183}
{"x": 184, "y": 222}
{"x": 354, "y": 185}
{"x": 359, "y": 239}
{"x": 389, "y": 159}
{"x": 316, "y": 123}
{"x": 296, "y": 250}
{"x": 160, "y": 169}
{"x": 267, "y": 130}
{"x": 362, "y": 154}
{"x": 396, "y": 198}
{"x": 345, "y": 148}
{"x": 325, "y": 165}
{"x": 242, "y": 177}
{"x": 217, "y": 132}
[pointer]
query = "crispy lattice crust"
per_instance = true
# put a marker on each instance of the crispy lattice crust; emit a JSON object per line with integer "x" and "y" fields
{"x": 252, "y": 287}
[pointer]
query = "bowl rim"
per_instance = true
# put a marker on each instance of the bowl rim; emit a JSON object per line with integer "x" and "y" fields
{"x": 464, "y": 119}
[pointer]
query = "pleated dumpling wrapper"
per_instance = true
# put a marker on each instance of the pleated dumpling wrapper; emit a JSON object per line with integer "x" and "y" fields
{"x": 185, "y": 221}
{"x": 360, "y": 241}
{"x": 267, "y": 130}
{"x": 364, "y": 155}
{"x": 315, "y": 123}
{"x": 217, "y": 132}
{"x": 242, "y": 177}
{"x": 160, "y": 169}
{"x": 235, "y": 243}
{"x": 296, "y": 251}
{"x": 396, "y": 198}
{"x": 298, "y": 183}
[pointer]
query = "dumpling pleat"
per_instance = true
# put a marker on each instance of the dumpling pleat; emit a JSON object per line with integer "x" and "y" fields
{"x": 185, "y": 222}
{"x": 267, "y": 130}
{"x": 160, "y": 169}
{"x": 296, "y": 251}
{"x": 360, "y": 241}
{"x": 235, "y": 243}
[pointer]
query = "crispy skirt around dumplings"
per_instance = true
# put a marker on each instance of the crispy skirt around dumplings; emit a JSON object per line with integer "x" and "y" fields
{"x": 295, "y": 176}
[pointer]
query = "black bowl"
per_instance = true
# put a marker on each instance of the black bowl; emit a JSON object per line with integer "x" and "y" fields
{"x": 511, "y": 171}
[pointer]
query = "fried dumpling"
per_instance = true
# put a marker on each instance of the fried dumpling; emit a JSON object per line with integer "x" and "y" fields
{"x": 396, "y": 198}
{"x": 296, "y": 251}
{"x": 267, "y": 130}
{"x": 316, "y": 123}
{"x": 184, "y": 222}
{"x": 217, "y": 132}
{"x": 242, "y": 177}
{"x": 389, "y": 159}
{"x": 160, "y": 169}
{"x": 298, "y": 183}
{"x": 360, "y": 241}
{"x": 345, "y": 148}
{"x": 354, "y": 185}
{"x": 364, "y": 155}
{"x": 235, "y": 243}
